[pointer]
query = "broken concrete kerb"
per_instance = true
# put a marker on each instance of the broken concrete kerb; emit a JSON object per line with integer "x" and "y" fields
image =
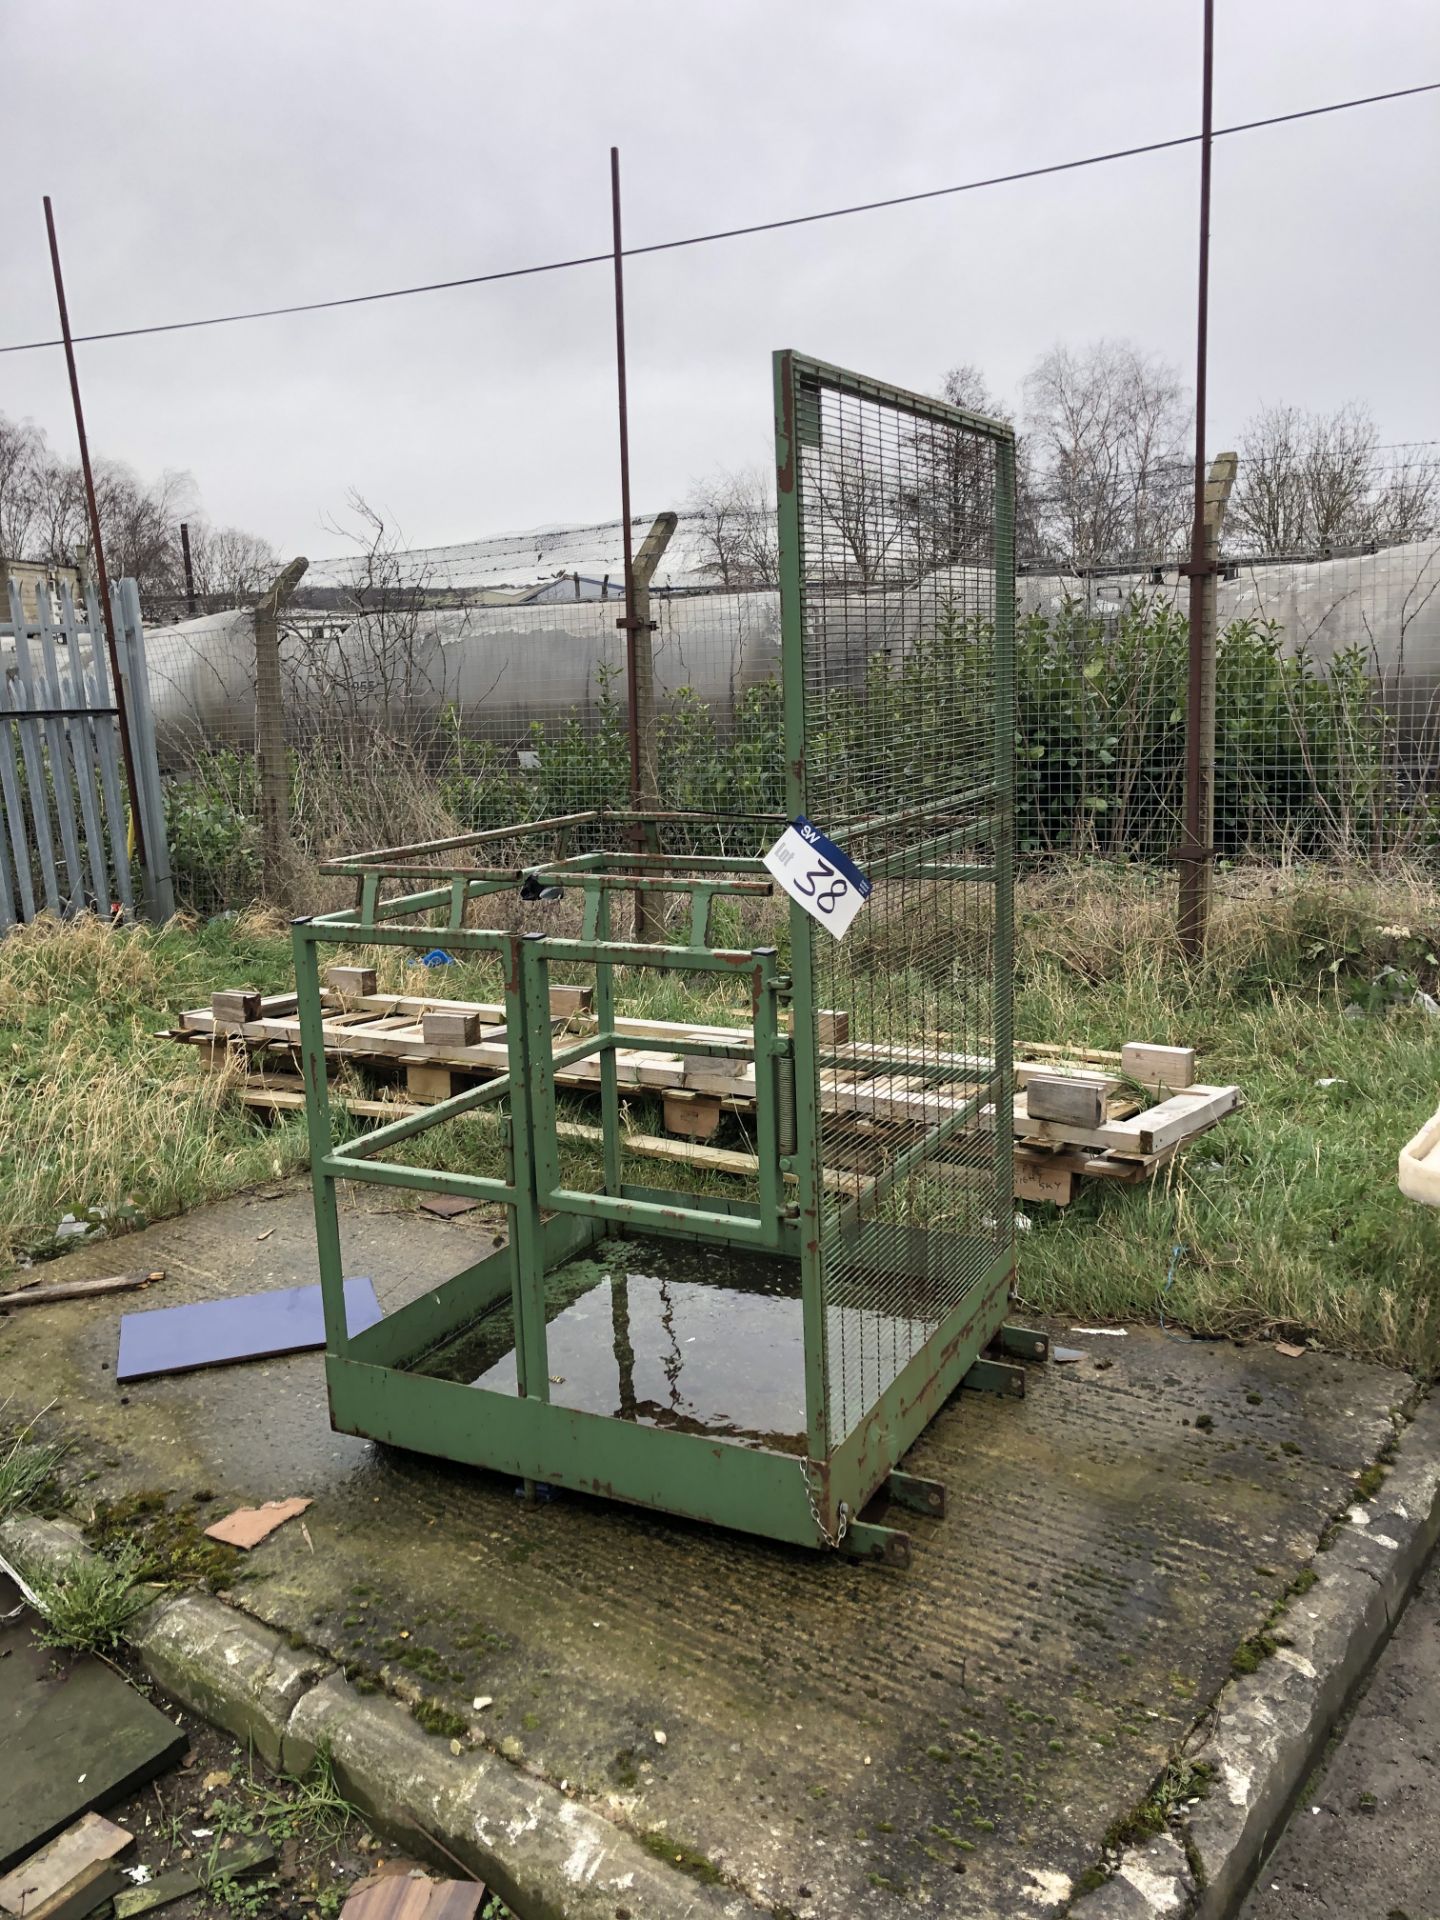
{"x": 550, "y": 1856}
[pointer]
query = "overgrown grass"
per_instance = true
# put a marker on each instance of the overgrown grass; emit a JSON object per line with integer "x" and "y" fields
{"x": 1287, "y": 1215}
{"x": 96, "y": 1115}
{"x": 28, "y": 1468}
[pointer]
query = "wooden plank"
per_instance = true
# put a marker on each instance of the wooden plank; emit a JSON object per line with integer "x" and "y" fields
{"x": 832, "y": 1026}
{"x": 409, "y": 1897}
{"x": 77, "y": 1290}
{"x": 1169, "y": 1067}
{"x": 159, "y": 1892}
{"x": 93, "y": 1884}
{"x": 1079, "y": 1103}
{"x": 28, "y": 1887}
{"x": 1174, "y": 1119}
{"x": 1146, "y": 1132}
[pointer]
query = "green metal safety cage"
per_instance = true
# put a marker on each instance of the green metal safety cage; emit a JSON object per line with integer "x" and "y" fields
{"x": 834, "y": 1300}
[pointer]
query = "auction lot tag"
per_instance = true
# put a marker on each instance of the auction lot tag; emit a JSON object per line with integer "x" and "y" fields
{"x": 814, "y": 871}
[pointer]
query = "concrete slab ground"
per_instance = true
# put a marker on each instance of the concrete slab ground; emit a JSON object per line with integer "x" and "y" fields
{"x": 1365, "y": 1838}
{"x": 836, "y": 1739}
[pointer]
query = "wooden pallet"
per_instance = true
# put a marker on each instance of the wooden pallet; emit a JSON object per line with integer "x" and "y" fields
{"x": 1078, "y": 1113}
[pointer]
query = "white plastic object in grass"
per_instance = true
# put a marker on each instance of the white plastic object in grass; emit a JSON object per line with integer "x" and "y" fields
{"x": 1420, "y": 1164}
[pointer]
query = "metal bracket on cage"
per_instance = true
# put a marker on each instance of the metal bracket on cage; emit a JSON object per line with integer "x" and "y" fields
{"x": 1193, "y": 854}
{"x": 994, "y": 1376}
{"x": 1023, "y": 1343}
{"x": 921, "y": 1496}
{"x": 868, "y": 1540}
{"x": 638, "y": 626}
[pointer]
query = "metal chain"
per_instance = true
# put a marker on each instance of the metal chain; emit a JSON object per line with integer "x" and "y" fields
{"x": 831, "y": 1540}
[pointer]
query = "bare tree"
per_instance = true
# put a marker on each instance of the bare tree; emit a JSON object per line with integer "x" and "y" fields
{"x": 736, "y": 525}
{"x": 1309, "y": 482}
{"x": 1108, "y": 428}
{"x": 373, "y": 676}
{"x": 22, "y": 454}
{"x": 228, "y": 563}
{"x": 43, "y": 517}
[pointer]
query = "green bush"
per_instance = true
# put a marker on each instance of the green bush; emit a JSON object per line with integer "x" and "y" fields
{"x": 1302, "y": 753}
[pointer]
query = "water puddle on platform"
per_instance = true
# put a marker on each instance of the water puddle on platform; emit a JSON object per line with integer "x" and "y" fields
{"x": 670, "y": 1336}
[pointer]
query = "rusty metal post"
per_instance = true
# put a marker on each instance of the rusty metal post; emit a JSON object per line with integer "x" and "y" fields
{"x": 629, "y": 623}
{"x": 1217, "y": 499}
{"x": 102, "y": 578}
{"x": 636, "y": 624}
{"x": 189, "y": 570}
{"x": 1196, "y": 852}
{"x": 270, "y": 764}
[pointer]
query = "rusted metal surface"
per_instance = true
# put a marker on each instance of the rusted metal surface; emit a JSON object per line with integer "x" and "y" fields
{"x": 101, "y": 576}
{"x": 1193, "y": 891}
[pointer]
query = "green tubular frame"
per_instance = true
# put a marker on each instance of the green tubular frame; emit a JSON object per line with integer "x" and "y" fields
{"x": 815, "y": 1499}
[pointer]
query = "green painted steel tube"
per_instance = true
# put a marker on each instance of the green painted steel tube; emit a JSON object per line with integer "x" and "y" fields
{"x": 625, "y": 953}
{"x": 329, "y": 1256}
{"x": 963, "y": 801}
{"x": 535, "y": 1002}
{"x": 901, "y": 1413}
{"x": 358, "y": 862}
{"x": 802, "y": 966}
{"x": 527, "y": 1237}
{"x": 929, "y": 1143}
{"x": 582, "y": 1049}
{"x": 349, "y": 933}
{"x": 385, "y": 1173}
{"x": 1003, "y": 938}
{"x": 953, "y": 838}
{"x": 689, "y": 862}
{"x": 752, "y": 1489}
{"x": 366, "y": 1144}
{"x": 766, "y": 1017}
{"x": 628, "y": 1212}
{"x": 609, "y": 1077}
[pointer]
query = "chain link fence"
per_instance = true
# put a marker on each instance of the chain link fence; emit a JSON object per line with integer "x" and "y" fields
{"x": 427, "y": 693}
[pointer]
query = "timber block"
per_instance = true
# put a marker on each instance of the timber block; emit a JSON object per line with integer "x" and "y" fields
{"x": 1035, "y": 1181}
{"x": 696, "y": 1115}
{"x": 832, "y": 1027}
{"x": 1076, "y": 1103}
{"x": 429, "y": 1084}
{"x": 1170, "y": 1067}
{"x": 235, "y": 1003}
{"x": 356, "y": 980}
{"x": 565, "y": 1001}
{"x": 449, "y": 1027}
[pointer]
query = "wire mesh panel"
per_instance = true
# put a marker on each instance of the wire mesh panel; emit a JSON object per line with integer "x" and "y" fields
{"x": 897, "y": 569}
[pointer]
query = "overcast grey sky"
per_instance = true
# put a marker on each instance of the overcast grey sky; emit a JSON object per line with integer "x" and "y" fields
{"x": 204, "y": 158}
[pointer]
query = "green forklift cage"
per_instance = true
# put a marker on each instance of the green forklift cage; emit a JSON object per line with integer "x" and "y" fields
{"x": 880, "y": 1064}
